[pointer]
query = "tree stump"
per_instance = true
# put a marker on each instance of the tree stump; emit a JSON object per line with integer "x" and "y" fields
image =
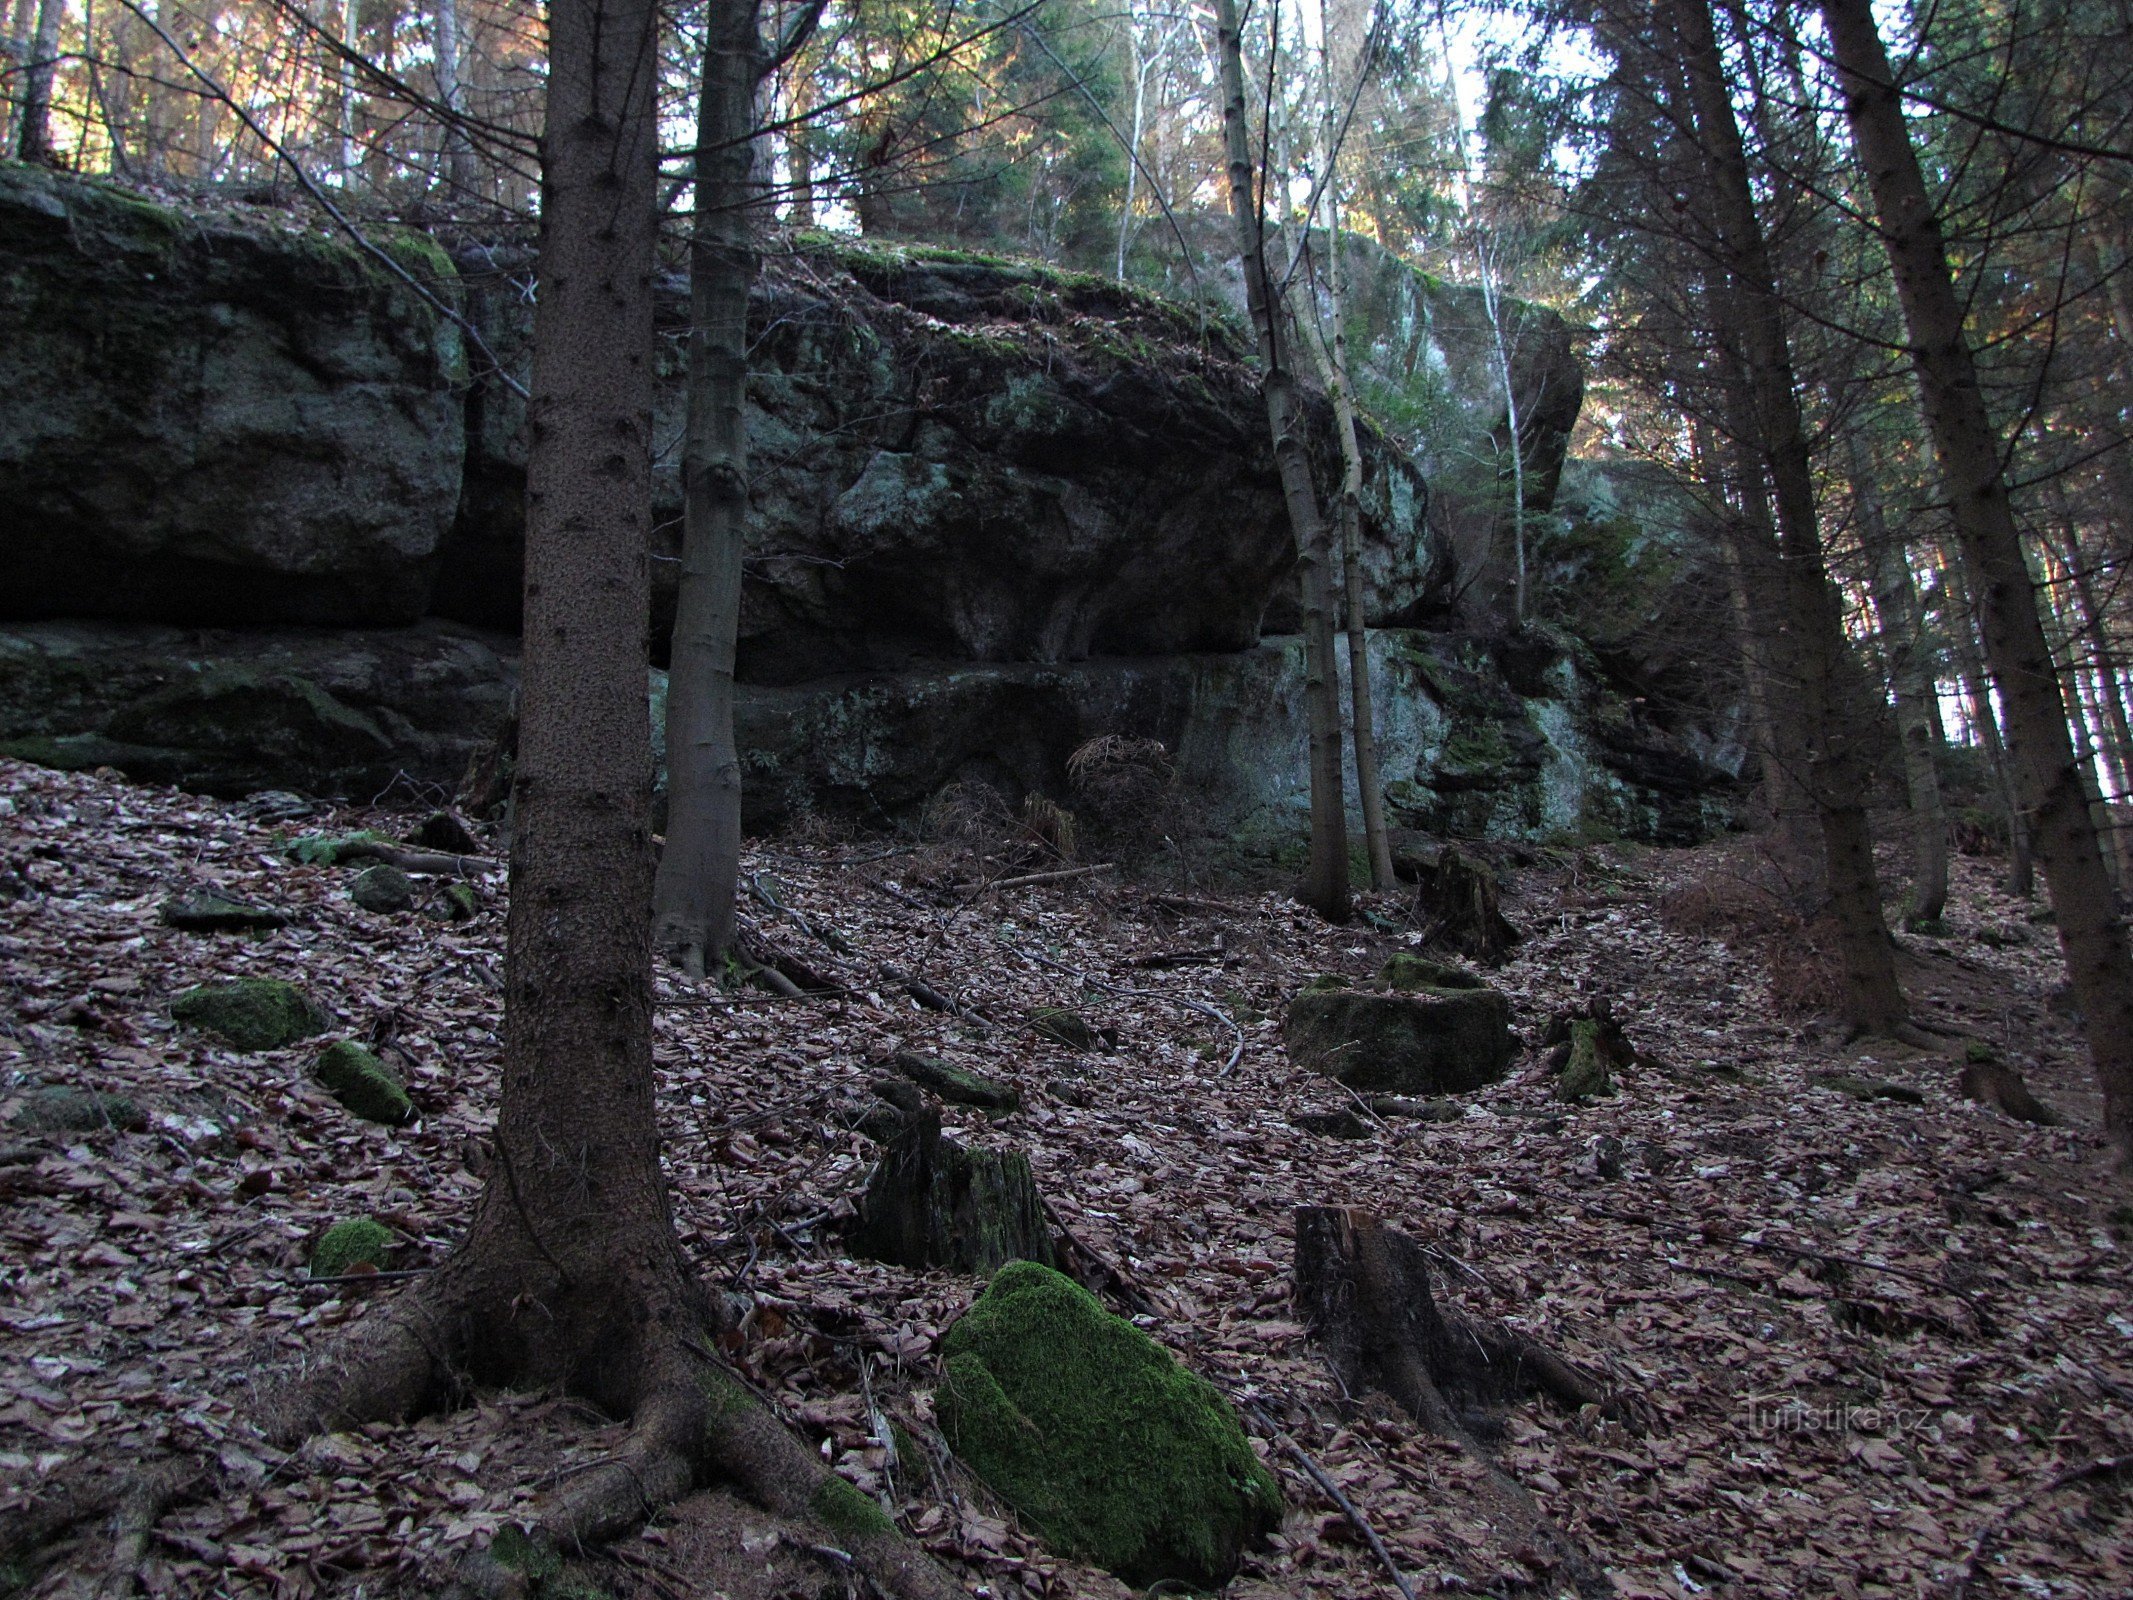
{"x": 932, "y": 1203}
{"x": 1459, "y": 903}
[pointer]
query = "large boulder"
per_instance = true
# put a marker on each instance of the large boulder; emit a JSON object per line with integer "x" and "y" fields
{"x": 1440, "y": 1032}
{"x": 955, "y": 457}
{"x": 218, "y": 417}
{"x": 1096, "y": 1436}
{"x": 230, "y": 712}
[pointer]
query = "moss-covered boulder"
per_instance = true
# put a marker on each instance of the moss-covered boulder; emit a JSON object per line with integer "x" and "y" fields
{"x": 1096, "y": 1436}
{"x": 351, "y": 1245}
{"x": 1062, "y": 1026}
{"x": 1424, "y": 1040}
{"x": 383, "y": 889}
{"x": 1405, "y": 971}
{"x": 252, "y": 1013}
{"x": 363, "y": 1084}
{"x": 65, "y": 1108}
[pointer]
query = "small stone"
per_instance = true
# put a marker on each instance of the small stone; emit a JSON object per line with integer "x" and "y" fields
{"x": 352, "y": 1245}
{"x": 205, "y": 911}
{"x": 461, "y": 903}
{"x": 385, "y": 890}
{"x": 66, "y": 1109}
{"x": 330, "y": 849}
{"x": 958, "y": 1084}
{"x": 446, "y": 831}
{"x": 1341, "y": 1124}
{"x": 252, "y": 1013}
{"x": 363, "y": 1084}
{"x": 1062, "y": 1026}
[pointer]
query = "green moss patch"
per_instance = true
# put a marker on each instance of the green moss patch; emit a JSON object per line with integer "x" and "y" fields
{"x": 65, "y": 1109}
{"x": 1098, "y": 1438}
{"x": 1405, "y": 971}
{"x": 383, "y": 889}
{"x": 363, "y": 1084}
{"x": 328, "y": 849}
{"x": 847, "y": 1513}
{"x": 349, "y": 1246}
{"x": 1585, "y": 1075}
{"x": 252, "y": 1013}
{"x": 958, "y": 1084}
{"x": 205, "y": 911}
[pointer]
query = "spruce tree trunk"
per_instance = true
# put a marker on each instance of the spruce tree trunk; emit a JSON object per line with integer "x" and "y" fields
{"x": 1911, "y": 685}
{"x": 461, "y": 176}
{"x": 1836, "y": 776}
{"x": 1961, "y": 618}
{"x": 1969, "y": 450}
{"x": 1325, "y": 884}
{"x": 692, "y": 901}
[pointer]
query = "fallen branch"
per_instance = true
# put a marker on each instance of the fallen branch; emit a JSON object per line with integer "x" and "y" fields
{"x": 1332, "y": 1491}
{"x": 430, "y": 861}
{"x": 1063, "y": 875}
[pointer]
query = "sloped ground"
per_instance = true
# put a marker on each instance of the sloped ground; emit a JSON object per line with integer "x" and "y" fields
{"x": 1884, "y": 1348}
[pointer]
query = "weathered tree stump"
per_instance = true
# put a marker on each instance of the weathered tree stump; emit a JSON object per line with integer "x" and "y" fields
{"x": 932, "y": 1203}
{"x": 1586, "y": 1048}
{"x": 1992, "y": 1082}
{"x": 1459, "y": 902}
{"x": 1363, "y": 1289}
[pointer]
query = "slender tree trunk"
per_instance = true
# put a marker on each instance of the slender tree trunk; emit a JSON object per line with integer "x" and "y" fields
{"x": 1911, "y": 685}
{"x": 800, "y": 149}
{"x": 461, "y": 178}
{"x": 1961, "y": 619}
{"x": 1501, "y": 341}
{"x": 1968, "y": 447}
{"x": 1873, "y": 1000}
{"x": 1133, "y": 147}
{"x": 34, "y": 141}
{"x": 692, "y": 902}
{"x": 1325, "y": 884}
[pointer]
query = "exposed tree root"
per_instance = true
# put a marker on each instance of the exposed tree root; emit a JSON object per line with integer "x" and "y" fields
{"x": 133, "y": 1496}
{"x": 1364, "y": 1290}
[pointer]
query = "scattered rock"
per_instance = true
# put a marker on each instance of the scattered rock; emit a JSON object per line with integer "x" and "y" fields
{"x": 1062, "y": 1026}
{"x": 331, "y": 849}
{"x": 1990, "y": 1081}
{"x": 205, "y": 911}
{"x": 1341, "y": 1124}
{"x": 67, "y": 1109}
{"x": 1429, "y": 1041}
{"x": 1406, "y": 972}
{"x": 930, "y": 1202}
{"x": 1867, "y": 1088}
{"x": 385, "y": 890}
{"x": 459, "y": 902}
{"x": 252, "y": 1013}
{"x": 363, "y": 1084}
{"x": 958, "y": 1084}
{"x": 355, "y": 1244}
{"x": 1097, "y": 1437}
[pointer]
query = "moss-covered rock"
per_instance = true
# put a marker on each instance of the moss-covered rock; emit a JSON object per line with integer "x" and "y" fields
{"x": 1426, "y": 1041}
{"x": 349, "y": 1246}
{"x": 206, "y": 911}
{"x": 64, "y": 1108}
{"x": 363, "y": 1084}
{"x": 1062, "y": 1026}
{"x": 383, "y": 889}
{"x": 958, "y": 1084}
{"x": 252, "y": 1013}
{"x": 1861, "y": 1088}
{"x": 331, "y": 849}
{"x": 459, "y": 903}
{"x": 1097, "y": 1437}
{"x": 1585, "y": 1073}
{"x": 1405, "y": 971}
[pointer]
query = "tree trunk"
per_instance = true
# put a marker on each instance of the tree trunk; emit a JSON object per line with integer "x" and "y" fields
{"x": 1969, "y": 451}
{"x": 1961, "y": 618}
{"x": 692, "y": 900}
{"x": 1325, "y": 884}
{"x": 1911, "y": 684}
{"x": 1500, "y": 340}
{"x": 34, "y": 142}
{"x": 461, "y": 177}
{"x": 1873, "y": 1000}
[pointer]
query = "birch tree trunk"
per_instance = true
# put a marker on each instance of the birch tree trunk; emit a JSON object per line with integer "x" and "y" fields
{"x": 692, "y": 899}
{"x": 1325, "y": 884}
{"x": 1969, "y": 450}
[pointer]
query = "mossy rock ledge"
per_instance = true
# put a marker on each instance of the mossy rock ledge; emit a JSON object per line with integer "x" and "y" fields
{"x": 1096, "y": 1436}
{"x": 252, "y": 1013}
{"x": 1438, "y": 1032}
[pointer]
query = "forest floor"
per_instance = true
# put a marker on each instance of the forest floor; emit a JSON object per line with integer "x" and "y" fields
{"x": 1882, "y": 1347}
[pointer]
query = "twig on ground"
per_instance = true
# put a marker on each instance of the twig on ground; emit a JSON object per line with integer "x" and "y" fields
{"x": 1332, "y": 1491}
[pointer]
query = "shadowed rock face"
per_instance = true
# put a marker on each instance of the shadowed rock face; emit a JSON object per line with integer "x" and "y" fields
{"x": 208, "y": 420}
{"x": 964, "y": 459}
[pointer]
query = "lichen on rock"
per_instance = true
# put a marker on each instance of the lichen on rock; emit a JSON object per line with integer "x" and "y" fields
{"x": 1096, "y": 1436}
{"x": 252, "y": 1013}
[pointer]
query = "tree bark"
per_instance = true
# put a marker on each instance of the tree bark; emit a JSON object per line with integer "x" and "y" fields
{"x": 1910, "y": 684}
{"x": 1325, "y": 884}
{"x": 1873, "y": 1000}
{"x": 1960, "y": 617}
{"x": 1969, "y": 451}
{"x": 461, "y": 176}
{"x": 692, "y": 899}
{"x": 34, "y": 141}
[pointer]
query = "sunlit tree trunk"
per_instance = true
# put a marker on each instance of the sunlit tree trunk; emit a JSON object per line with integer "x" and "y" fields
{"x": 34, "y": 141}
{"x": 1969, "y": 450}
{"x": 1325, "y": 884}
{"x": 461, "y": 178}
{"x": 692, "y": 902}
{"x": 1873, "y": 1000}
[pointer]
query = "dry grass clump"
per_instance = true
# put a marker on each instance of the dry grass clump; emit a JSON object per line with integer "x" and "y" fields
{"x": 1120, "y": 781}
{"x": 1741, "y": 900}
